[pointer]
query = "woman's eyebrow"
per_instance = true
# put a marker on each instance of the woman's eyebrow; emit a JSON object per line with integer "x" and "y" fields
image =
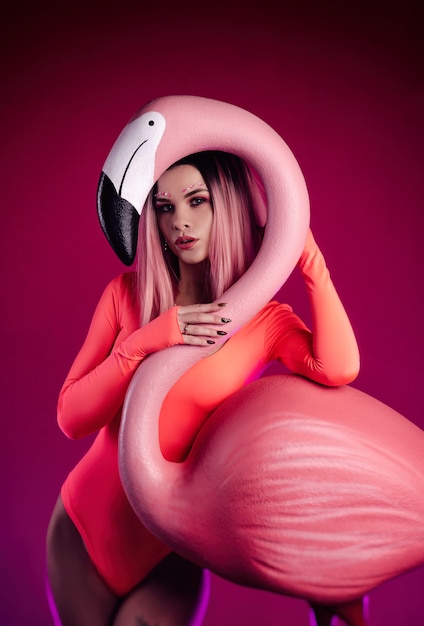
{"x": 203, "y": 185}
{"x": 162, "y": 195}
{"x": 191, "y": 193}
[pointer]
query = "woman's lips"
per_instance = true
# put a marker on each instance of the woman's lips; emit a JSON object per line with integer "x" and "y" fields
{"x": 185, "y": 243}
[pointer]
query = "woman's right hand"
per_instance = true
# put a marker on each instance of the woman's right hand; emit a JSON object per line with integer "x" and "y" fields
{"x": 198, "y": 323}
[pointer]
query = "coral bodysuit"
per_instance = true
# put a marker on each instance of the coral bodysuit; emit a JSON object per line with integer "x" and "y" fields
{"x": 91, "y": 399}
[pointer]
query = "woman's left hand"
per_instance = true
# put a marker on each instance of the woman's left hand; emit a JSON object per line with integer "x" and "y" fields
{"x": 198, "y": 323}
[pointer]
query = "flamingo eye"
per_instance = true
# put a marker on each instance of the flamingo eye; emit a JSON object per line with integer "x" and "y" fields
{"x": 151, "y": 123}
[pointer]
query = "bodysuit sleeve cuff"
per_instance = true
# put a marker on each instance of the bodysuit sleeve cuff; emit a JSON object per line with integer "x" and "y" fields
{"x": 160, "y": 333}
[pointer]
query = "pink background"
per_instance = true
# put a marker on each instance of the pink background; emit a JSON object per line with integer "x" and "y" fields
{"x": 343, "y": 87}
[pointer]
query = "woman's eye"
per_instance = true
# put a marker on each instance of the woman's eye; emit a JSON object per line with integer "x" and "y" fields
{"x": 164, "y": 208}
{"x": 197, "y": 200}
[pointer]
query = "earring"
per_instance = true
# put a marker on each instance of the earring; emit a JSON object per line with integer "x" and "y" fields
{"x": 165, "y": 245}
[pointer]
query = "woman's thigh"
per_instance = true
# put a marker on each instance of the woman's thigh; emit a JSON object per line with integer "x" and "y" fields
{"x": 81, "y": 596}
{"x": 175, "y": 593}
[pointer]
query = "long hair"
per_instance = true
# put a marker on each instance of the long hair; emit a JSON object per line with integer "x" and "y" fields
{"x": 234, "y": 242}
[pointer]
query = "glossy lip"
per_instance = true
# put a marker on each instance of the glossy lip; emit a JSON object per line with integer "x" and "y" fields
{"x": 185, "y": 243}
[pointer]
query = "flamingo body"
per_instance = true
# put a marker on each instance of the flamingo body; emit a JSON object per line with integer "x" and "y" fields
{"x": 291, "y": 487}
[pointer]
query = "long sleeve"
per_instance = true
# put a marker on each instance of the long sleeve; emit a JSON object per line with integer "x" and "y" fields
{"x": 329, "y": 355}
{"x": 96, "y": 385}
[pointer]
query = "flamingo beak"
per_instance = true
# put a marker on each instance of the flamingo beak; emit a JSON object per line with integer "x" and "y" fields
{"x": 118, "y": 219}
{"x": 125, "y": 181}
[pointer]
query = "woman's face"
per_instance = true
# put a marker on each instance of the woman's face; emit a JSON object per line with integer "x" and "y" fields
{"x": 184, "y": 213}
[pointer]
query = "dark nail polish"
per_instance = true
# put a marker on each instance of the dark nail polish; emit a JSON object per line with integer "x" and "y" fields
{"x": 210, "y": 341}
{"x": 222, "y": 304}
{"x": 225, "y": 320}
{"x": 221, "y": 332}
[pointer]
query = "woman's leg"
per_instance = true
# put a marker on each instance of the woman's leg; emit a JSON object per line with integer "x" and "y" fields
{"x": 352, "y": 613}
{"x": 175, "y": 593}
{"x": 80, "y": 595}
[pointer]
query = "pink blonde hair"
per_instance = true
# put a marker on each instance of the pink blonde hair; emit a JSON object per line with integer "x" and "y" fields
{"x": 235, "y": 236}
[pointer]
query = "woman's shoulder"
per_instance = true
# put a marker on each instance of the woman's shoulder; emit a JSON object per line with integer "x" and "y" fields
{"x": 274, "y": 307}
{"x": 279, "y": 315}
{"x": 122, "y": 285}
{"x": 120, "y": 295}
{"x": 271, "y": 313}
{"x": 271, "y": 322}
{"x": 282, "y": 306}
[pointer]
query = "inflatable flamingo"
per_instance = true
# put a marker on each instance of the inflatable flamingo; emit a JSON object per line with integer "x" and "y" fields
{"x": 290, "y": 486}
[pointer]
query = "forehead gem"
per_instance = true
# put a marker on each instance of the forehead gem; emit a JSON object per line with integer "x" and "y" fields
{"x": 162, "y": 193}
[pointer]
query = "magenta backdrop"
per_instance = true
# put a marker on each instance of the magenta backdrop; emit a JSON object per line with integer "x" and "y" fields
{"x": 343, "y": 87}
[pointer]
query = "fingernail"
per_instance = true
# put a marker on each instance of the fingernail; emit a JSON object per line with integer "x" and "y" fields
{"x": 225, "y": 320}
{"x": 222, "y": 303}
{"x": 210, "y": 341}
{"x": 221, "y": 332}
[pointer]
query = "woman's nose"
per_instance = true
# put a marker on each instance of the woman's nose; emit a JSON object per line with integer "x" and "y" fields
{"x": 181, "y": 220}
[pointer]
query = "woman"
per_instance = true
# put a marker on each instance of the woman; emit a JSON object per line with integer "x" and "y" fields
{"x": 197, "y": 236}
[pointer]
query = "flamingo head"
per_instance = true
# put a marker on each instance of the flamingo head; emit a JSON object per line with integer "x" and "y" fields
{"x": 172, "y": 127}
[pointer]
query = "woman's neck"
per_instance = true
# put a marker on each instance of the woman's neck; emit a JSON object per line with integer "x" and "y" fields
{"x": 191, "y": 286}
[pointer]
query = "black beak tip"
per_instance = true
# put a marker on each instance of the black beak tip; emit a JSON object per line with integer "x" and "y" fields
{"x": 118, "y": 219}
